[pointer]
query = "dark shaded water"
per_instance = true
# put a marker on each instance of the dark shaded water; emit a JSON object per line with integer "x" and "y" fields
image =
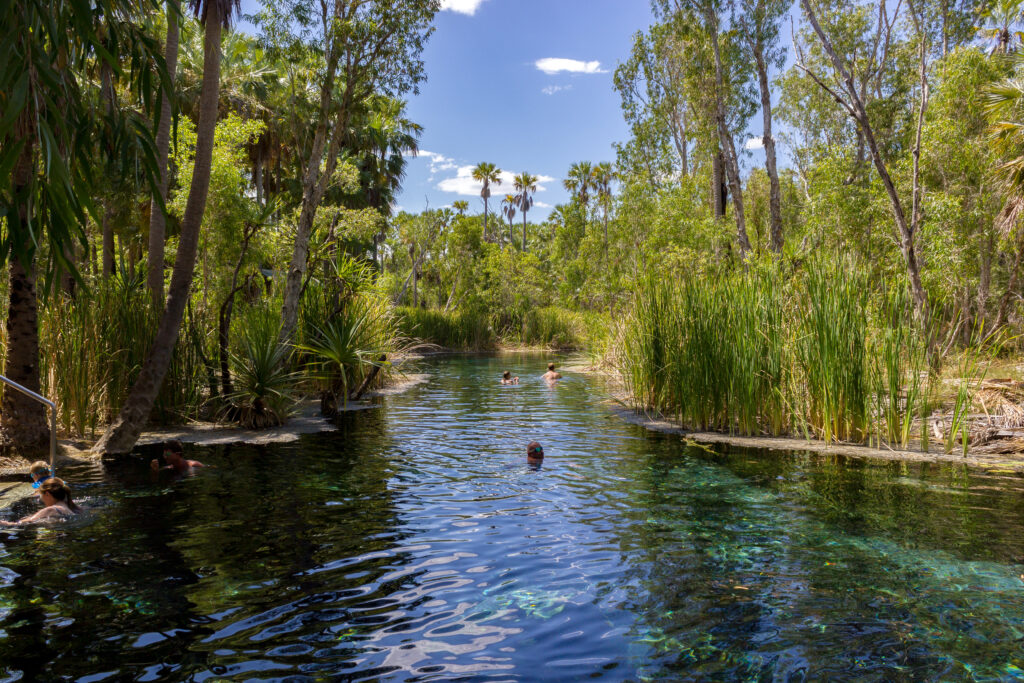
{"x": 417, "y": 544}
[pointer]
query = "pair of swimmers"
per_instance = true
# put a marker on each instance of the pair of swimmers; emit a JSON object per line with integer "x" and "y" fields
{"x": 54, "y": 493}
{"x": 551, "y": 375}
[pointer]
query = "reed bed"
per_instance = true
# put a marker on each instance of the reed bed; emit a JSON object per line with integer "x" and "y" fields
{"x": 92, "y": 347}
{"x": 469, "y": 330}
{"x": 759, "y": 352}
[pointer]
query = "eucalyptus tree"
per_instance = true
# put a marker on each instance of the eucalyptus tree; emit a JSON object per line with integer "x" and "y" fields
{"x": 359, "y": 47}
{"x": 526, "y": 185}
{"x": 486, "y": 173}
{"x": 48, "y": 169}
{"x": 759, "y": 23}
{"x": 123, "y": 432}
{"x": 842, "y": 87}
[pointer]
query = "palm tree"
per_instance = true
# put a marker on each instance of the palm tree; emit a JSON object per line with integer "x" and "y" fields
{"x": 486, "y": 173}
{"x": 124, "y": 431}
{"x": 508, "y": 207}
{"x": 1000, "y": 17}
{"x": 580, "y": 181}
{"x": 525, "y": 184}
{"x": 157, "y": 217}
{"x": 50, "y": 169}
{"x": 603, "y": 177}
{"x": 460, "y": 206}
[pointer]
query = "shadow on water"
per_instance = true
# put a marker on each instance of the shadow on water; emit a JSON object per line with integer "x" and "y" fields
{"x": 415, "y": 543}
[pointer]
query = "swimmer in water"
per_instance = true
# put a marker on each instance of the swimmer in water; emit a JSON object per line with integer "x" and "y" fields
{"x": 551, "y": 375}
{"x": 534, "y": 453}
{"x": 174, "y": 457}
{"x": 40, "y": 472}
{"x": 58, "y": 505}
{"x": 507, "y": 378}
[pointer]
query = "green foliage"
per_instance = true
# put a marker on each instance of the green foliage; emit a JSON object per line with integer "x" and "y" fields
{"x": 264, "y": 384}
{"x": 463, "y": 329}
{"x": 757, "y": 352}
{"x": 345, "y": 347}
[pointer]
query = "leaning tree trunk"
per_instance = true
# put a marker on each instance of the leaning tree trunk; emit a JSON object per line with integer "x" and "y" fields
{"x": 775, "y": 194}
{"x": 314, "y": 186}
{"x": 157, "y": 217}
{"x": 122, "y": 434}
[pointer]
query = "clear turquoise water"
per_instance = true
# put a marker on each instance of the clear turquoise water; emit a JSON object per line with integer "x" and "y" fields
{"x": 417, "y": 544}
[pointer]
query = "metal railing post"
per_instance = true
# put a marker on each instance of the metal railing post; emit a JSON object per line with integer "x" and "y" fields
{"x": 53, "y": 418}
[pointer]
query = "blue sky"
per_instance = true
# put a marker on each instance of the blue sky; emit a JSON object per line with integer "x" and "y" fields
{"x": 525, "y": 84}
{"x": 490, "y": 96}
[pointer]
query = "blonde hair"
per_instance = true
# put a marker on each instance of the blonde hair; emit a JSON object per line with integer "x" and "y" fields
{"x": 39, "y": 469}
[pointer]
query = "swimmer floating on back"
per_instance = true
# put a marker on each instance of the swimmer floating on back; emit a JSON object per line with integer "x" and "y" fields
{"x": 56, "y": 497}
{"x": 507, "y": 378}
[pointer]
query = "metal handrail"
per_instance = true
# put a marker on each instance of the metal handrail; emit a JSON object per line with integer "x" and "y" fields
{"x": 53, "y": 418}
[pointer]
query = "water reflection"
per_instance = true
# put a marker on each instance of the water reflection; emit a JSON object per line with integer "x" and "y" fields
{"x": 418, "y": 544}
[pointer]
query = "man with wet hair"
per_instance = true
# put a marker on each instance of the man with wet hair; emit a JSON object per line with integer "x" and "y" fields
{"x": 174, "y": 456}
{"x": 551, "y": 375}
{"x": 534, "y": 453}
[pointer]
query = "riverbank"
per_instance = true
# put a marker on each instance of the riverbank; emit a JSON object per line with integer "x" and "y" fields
{"x": 305, "y": 420}
{"x": 984, "y": 458}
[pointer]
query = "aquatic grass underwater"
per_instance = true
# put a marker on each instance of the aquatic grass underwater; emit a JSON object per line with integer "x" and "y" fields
{"x": 416, "y": 543}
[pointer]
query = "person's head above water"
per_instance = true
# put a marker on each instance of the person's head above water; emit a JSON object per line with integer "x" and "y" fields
{"x": 551, "y": 367}
{"x": 40, "y": 472}
{"x": 534, "y": 451}
{"x": 174, "y": 456}
{"x": 55, "y": 491}
{"x": 506, "y": 375}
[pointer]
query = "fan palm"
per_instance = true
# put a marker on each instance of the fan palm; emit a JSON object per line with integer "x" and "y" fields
{"x": 1000, "y": 17}
{"x": 603, "y": 177}
{"x": 508, "y": 208}
{"x": 525, "y": 184}
{"x": 460, "y": 206}
{"x": 580, "y": 181}
{"x": 486, "y": 173}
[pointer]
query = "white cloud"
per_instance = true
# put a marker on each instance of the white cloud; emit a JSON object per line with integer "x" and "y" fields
{"x": 464, "y": 185}
{"x": 552, "y": 89}
{"x": 754, "y": 143}
{"x": 438, "y": 162}
{"x": 462, "y": 6}
{"x": 554, "y": 65}
{"x": 542, "y": 205}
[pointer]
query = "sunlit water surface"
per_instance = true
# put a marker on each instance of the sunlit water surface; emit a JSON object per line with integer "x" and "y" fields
{"x": 417, "y": 544}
